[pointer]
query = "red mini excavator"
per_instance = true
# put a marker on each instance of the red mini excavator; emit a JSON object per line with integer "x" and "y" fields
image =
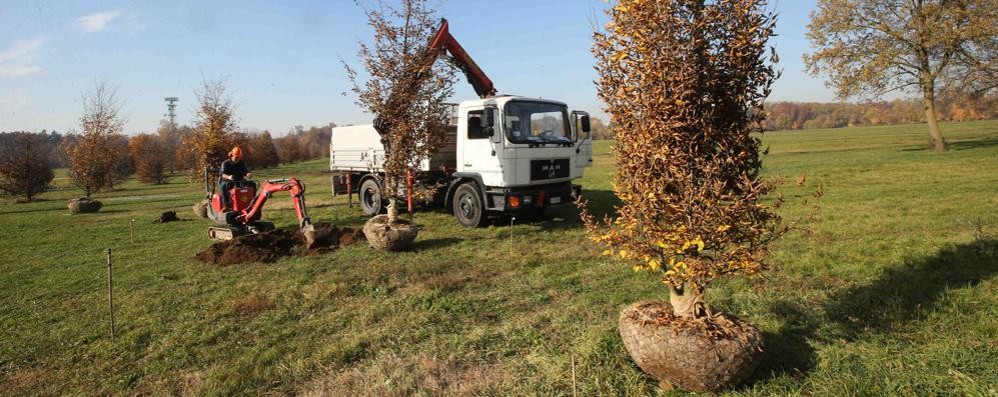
{"x": 247, "y": 207}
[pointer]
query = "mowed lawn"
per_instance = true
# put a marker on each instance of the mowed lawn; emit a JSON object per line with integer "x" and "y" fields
{"x": 891, "y": 291}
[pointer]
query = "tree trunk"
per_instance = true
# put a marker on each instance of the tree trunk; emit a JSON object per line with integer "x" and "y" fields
{"x": 393, "y": 211}
{"x": 929, "y": 95}
{"x": 687, "y": 301}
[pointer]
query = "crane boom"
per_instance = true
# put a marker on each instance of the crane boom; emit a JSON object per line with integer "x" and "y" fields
{"x": 443, "y": 40}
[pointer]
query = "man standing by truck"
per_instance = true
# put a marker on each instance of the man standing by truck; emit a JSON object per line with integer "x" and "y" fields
{"x": 232, "y": 170}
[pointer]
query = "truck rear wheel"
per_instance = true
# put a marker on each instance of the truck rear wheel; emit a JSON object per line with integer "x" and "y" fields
{"x": 370, "y": 197}
{"x": 468, "y": 208}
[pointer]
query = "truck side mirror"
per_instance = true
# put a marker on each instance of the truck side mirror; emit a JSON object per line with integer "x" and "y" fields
{"x": 490, "y": 117}
{"x": 488, "y": 122}
{"x": 585, "y": 124}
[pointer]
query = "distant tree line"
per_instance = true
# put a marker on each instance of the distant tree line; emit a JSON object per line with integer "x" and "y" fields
{"x": 302, "y": 144}
{"x": 28, "y": 158}
{"x": 812, "y": 115}
{"x": 809, "y": 115}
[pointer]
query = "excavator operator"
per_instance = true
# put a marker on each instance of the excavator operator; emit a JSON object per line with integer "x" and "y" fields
{"x": 233, "y": 171}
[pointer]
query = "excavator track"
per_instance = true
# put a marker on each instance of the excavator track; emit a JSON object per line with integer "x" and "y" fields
{"x": 221, "y": 233}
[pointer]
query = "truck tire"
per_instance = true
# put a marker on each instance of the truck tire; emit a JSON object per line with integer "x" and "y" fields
{"x": 370, "y": 197}
{"x": 468, "y": 208}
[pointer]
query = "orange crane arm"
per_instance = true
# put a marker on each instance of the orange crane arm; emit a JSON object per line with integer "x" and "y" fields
{"x": 443, "y": 40}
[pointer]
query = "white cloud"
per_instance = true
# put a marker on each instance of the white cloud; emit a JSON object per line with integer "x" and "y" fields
{"x": 97, "y": 22}
{"x": 18, "y": 59}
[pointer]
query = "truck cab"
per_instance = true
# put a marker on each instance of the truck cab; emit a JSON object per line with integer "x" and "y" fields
{"x": 516, "y": 155}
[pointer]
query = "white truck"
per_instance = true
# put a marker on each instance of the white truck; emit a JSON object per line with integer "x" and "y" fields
{"x": 508, "y": 154}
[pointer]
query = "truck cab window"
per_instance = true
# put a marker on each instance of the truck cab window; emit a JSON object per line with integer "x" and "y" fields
{"x": 475, "y": 130}
{"x": 537, "y": 122}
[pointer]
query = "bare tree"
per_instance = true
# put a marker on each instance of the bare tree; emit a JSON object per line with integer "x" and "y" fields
{"x": 872, "y": 47}
{"x": 93, "y": 157}
{"x": 406, "y": 88}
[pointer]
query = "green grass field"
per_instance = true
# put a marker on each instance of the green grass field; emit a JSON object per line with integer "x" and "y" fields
{"x": 893, "y": 291}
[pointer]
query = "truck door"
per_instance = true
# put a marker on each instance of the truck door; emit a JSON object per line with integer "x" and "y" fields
{"x": 478, "y": 149}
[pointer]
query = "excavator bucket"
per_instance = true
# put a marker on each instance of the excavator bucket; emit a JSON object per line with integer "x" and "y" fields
{"x": 313, "y": 236}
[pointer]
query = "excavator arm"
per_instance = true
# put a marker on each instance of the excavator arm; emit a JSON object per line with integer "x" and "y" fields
{"x": 442, "y": 42}
{"x": 297, "y": 190}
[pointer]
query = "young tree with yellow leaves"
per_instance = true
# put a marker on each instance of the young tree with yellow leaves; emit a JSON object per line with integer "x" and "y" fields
{"x": 684, "y": 82}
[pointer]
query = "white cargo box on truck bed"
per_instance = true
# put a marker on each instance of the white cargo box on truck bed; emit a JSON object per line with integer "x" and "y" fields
{"x": 358, "y": 148}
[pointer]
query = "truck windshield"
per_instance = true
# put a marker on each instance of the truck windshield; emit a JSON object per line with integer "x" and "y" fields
{"x": 537, "y": 122}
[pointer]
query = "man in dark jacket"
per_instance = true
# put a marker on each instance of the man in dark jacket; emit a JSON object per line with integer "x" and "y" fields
{"x": 233, "y": 170}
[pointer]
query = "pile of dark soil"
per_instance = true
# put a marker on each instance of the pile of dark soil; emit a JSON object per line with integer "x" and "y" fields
{"x": 168, "y": 216}
{"x": 269, "y": 246}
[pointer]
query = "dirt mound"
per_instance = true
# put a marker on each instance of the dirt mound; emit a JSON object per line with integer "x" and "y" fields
{"x": 269, "y": 246}
{"x": 168, "y": 216}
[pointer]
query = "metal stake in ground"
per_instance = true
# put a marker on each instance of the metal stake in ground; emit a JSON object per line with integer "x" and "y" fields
{"x": 575, "y": 391}
{"x": 131, "y": 230}
{"x": 110, "y": 293}
{"x": 511, "y": 219}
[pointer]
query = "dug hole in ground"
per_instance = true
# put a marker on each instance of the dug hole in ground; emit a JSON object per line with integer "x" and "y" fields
{"x": 269, "y": 246}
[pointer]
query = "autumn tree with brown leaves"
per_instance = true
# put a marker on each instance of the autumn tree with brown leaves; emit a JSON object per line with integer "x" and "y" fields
{"x": 406, "y": 88}
{"x": 26, "y": 172}
{"x": 872, "y": 47}
{"x": 150, "y": 157}
{"x": 208, "y": 142}
{"x": 94, "y": 157}
{"x": 684, "y": 82}
{"x": 263, "y": 151}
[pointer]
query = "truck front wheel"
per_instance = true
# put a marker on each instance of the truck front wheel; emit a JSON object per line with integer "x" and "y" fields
{"x": 468, "y": 208}
{"x": 370, "y": 197}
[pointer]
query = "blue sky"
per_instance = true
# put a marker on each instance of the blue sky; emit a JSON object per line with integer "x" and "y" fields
{"x": 282, "y": 59}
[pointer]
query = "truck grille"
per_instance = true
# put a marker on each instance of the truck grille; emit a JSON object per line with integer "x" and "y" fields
{"x": 548, "y": 169}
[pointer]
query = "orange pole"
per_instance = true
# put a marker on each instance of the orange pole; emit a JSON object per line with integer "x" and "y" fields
{"x": 408, "y": 180}
{"x": 349, "y": 193}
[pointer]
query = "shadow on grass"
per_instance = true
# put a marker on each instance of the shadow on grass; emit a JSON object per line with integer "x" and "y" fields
{"x": 909, "y": 291}
{"x": 46, "y": 209}
{"x": 899, "y": 296}
{"x": 957, "y": 145}
{"x": 973, "y": 144}
{"x": 434, "y": 243}
{"x": 788, "y": 351}
{"x": 600, "y": 203}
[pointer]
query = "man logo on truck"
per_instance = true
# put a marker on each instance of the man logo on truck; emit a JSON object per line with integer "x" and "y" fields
{"x": 552, "y": 169}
